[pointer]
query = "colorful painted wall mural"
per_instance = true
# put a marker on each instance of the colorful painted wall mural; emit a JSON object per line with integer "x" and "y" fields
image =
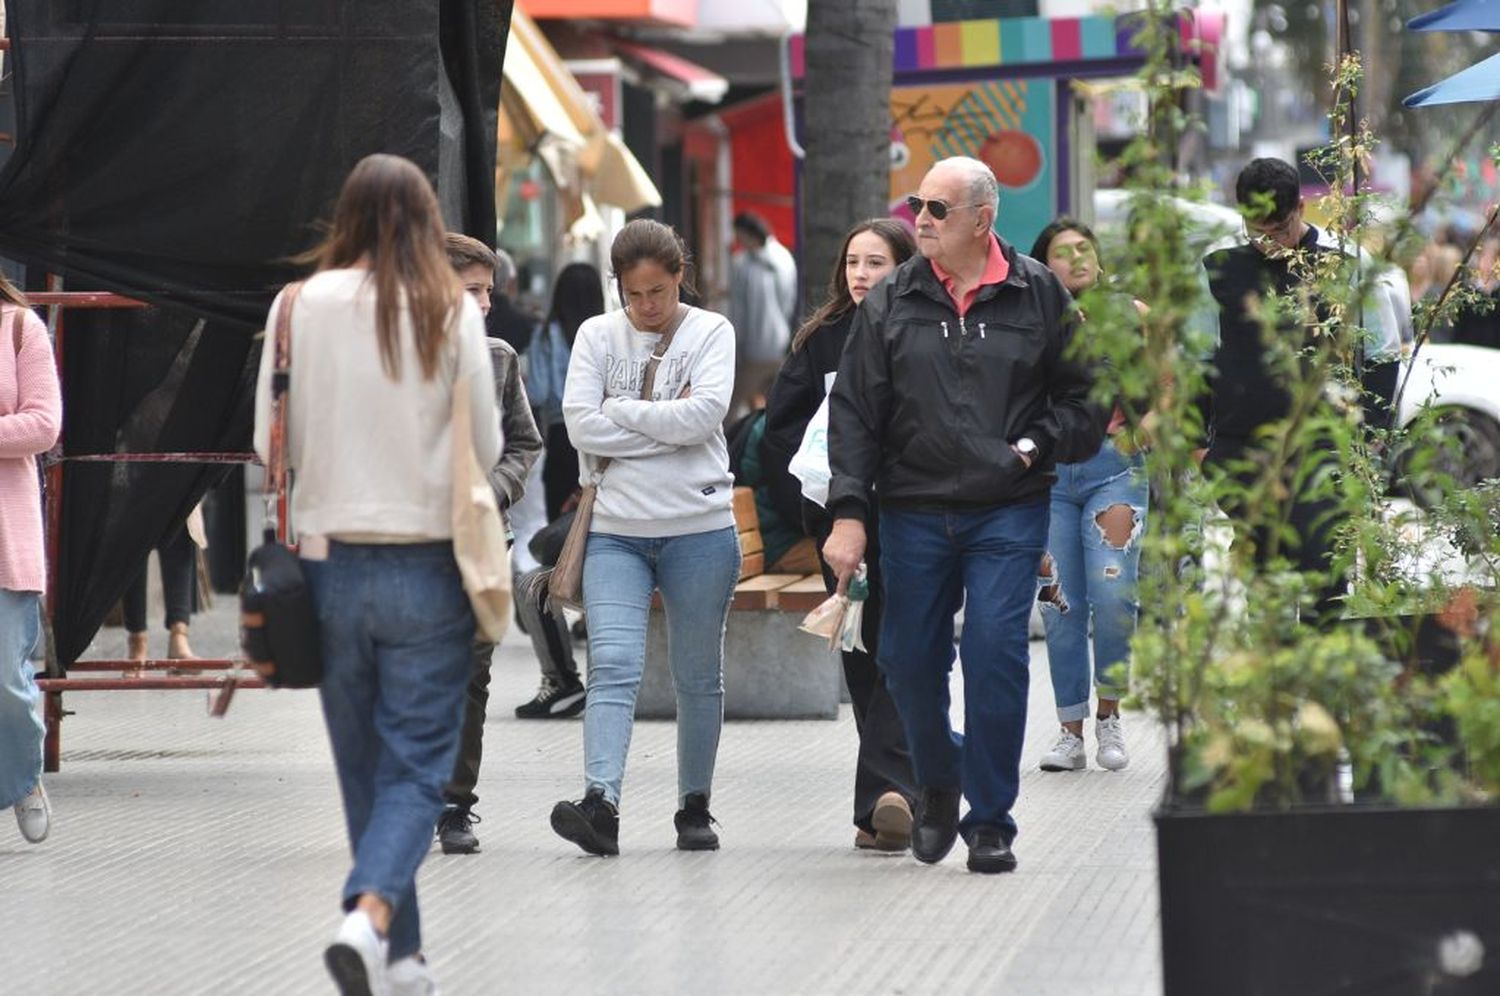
{"x": 1008, "y": 124}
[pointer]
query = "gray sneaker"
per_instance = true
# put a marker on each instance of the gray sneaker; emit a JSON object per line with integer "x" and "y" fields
{"x": 1067, "y": 754}
{"x": 1111, "y": 755}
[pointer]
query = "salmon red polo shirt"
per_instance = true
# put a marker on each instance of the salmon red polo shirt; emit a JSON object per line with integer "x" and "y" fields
{"x": 996, "y": 269}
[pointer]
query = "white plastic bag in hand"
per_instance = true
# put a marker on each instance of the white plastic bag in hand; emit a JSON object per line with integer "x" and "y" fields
{"x": 810, "y": 463}
{"x": 851, "y": 632}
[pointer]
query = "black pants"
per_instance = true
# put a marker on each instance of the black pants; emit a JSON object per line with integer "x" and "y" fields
{"x": 554, "y": 649}
{"x": 179, "y": 575}
{"x": 559, "y": 471}
{"x": 884, "y": 763}
{"x": 460, "y": 789}
{"x": 1313, "y": 521}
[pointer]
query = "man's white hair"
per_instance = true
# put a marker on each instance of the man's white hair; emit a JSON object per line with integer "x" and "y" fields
{"x": 505, "y": 270}
{"x": 982, "y": 187}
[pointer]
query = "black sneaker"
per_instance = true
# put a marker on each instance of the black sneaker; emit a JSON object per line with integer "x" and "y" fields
{"x": 692, "y": 822}
{"x": 989, "y": 854}
{"x": 593, "y": 824}
{"x": 554, "y": 701}
{"x": 454, "y": 831}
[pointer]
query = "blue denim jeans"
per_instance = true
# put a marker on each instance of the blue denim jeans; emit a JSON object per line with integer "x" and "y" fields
{"x": 1097, "y": 578}
{"x": 696, "y": 574}
{"x": 21, "y": 729}
{"x": 396, "y": 635}
{"x": 933, "y": 563}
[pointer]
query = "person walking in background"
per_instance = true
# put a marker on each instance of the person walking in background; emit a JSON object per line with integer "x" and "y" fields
{"x": 955, "y": 398}
{"x": 577, "y": 296}
{"x": 476, "y": 263}
{"x": 762, "y": 308}
{"x": 506, "y": 320}
{"x": 1097, "y": 517}
{"x": 380, "y": 335}
{"x": 30, "y": 421}
{"x": 1247, "y": 391}
{"x": 648, "y": 388}
{"x": 884, "y": 786}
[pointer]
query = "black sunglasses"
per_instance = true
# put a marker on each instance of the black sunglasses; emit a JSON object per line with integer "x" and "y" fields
{"x": 938, "y": 209}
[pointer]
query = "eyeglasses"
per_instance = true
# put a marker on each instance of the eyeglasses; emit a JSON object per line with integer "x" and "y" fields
{"x": 1272, "y": 233}
{"x": 938, "y": 209}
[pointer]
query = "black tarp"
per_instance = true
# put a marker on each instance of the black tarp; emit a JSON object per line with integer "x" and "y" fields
{"x": 179, "y": 152}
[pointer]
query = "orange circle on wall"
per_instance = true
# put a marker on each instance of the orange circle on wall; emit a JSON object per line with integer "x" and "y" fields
{"x": 1014, "y": 156}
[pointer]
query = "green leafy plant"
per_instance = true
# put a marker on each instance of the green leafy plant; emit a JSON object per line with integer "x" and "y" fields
{"x": 1265, "y": 704}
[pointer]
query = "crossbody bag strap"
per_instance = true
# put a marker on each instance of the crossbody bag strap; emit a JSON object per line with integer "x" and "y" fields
{"x": 648, "y": 379}
{"x": 281, "y": 383}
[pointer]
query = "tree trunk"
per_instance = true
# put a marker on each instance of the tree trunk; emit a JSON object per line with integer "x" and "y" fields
{"x": 846, "y": 176}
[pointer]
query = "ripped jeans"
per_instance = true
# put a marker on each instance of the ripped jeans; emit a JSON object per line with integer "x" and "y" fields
{"x": 1097, "y": 553}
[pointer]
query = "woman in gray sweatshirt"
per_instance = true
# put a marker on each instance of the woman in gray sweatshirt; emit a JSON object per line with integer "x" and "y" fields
{"x": 663, "y": 520}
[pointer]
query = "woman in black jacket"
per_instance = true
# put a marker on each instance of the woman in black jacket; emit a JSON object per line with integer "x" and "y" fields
{"x": 883, "y": 782}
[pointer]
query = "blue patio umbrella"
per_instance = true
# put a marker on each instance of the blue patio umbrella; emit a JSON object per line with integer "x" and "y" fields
{"x": 1464, "y": 15}
{"x": 1477, "y": 83}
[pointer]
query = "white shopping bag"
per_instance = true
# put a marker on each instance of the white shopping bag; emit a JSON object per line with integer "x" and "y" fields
{"x": 810, "y": 463}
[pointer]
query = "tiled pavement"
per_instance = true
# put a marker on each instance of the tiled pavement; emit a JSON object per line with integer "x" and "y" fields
{"x": 193, "y": 855}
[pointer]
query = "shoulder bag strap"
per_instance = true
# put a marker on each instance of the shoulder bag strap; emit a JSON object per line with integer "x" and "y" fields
{"x": 18, "y": 329}
{"x": 648, "y": 379}
{"x": 281, "y": 383}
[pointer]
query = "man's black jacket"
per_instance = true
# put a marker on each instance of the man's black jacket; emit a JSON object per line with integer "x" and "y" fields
{"x": 927, "y": 404}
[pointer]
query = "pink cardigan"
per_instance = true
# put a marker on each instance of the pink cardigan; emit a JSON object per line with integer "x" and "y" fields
{"x": 30, "y": 420}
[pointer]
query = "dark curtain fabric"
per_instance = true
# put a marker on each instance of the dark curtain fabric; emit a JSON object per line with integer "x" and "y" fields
{"x": 180, "y": 152}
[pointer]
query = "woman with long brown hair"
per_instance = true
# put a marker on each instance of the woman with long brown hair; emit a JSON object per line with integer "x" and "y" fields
{"x": 381, "y": 334}
{"x": 883, "y": 782}
{"x": 30, "y": 419}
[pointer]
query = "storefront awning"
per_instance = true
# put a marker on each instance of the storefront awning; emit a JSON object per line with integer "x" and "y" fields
{"x": 690, "y": 80}
{"x": 545, "y": 114}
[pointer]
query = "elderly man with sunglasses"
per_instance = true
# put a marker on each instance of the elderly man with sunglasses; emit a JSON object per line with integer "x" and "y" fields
{"x": 954, "y": 399}
{"x": 1248, "y": 390}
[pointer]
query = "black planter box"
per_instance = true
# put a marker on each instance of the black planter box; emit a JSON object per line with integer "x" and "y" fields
{"x": 1324, "y": 901}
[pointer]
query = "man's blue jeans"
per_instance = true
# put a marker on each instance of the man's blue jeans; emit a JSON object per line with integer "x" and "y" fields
{"x": 1098, "y": 578}
{"x": 933, "y": 563}
{"x": 396, "y": 634}
{"x": 696, "y": 574}
{"x": 21, "y": 730}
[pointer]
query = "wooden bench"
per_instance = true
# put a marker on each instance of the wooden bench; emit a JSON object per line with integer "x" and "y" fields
{"x": 772, "y": 670}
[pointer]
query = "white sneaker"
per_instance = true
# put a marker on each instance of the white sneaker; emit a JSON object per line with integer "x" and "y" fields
{"x": 411, "y": 976}
{"x": 1067, "y": 754}
{"x": 1111, "y": 755}
{"x": 34, "y": 815}
{"x": 356, "y": 958}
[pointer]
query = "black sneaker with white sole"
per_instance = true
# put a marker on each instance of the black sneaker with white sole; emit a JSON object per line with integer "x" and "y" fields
{"x": 554, "y": 701}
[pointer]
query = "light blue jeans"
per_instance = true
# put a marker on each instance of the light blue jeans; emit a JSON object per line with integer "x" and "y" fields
{"x": 1098, "y": 578}
{"x": 696, "y": 574}
{"x": 396, "y": 630}
{"x": 21, "y": 730}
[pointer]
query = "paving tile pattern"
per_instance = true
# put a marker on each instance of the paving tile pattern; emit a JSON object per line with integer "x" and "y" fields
{"x": 192, "y": 855}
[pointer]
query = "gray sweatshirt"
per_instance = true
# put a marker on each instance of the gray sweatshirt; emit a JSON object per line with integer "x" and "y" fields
{"x": 669, "y": 474}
